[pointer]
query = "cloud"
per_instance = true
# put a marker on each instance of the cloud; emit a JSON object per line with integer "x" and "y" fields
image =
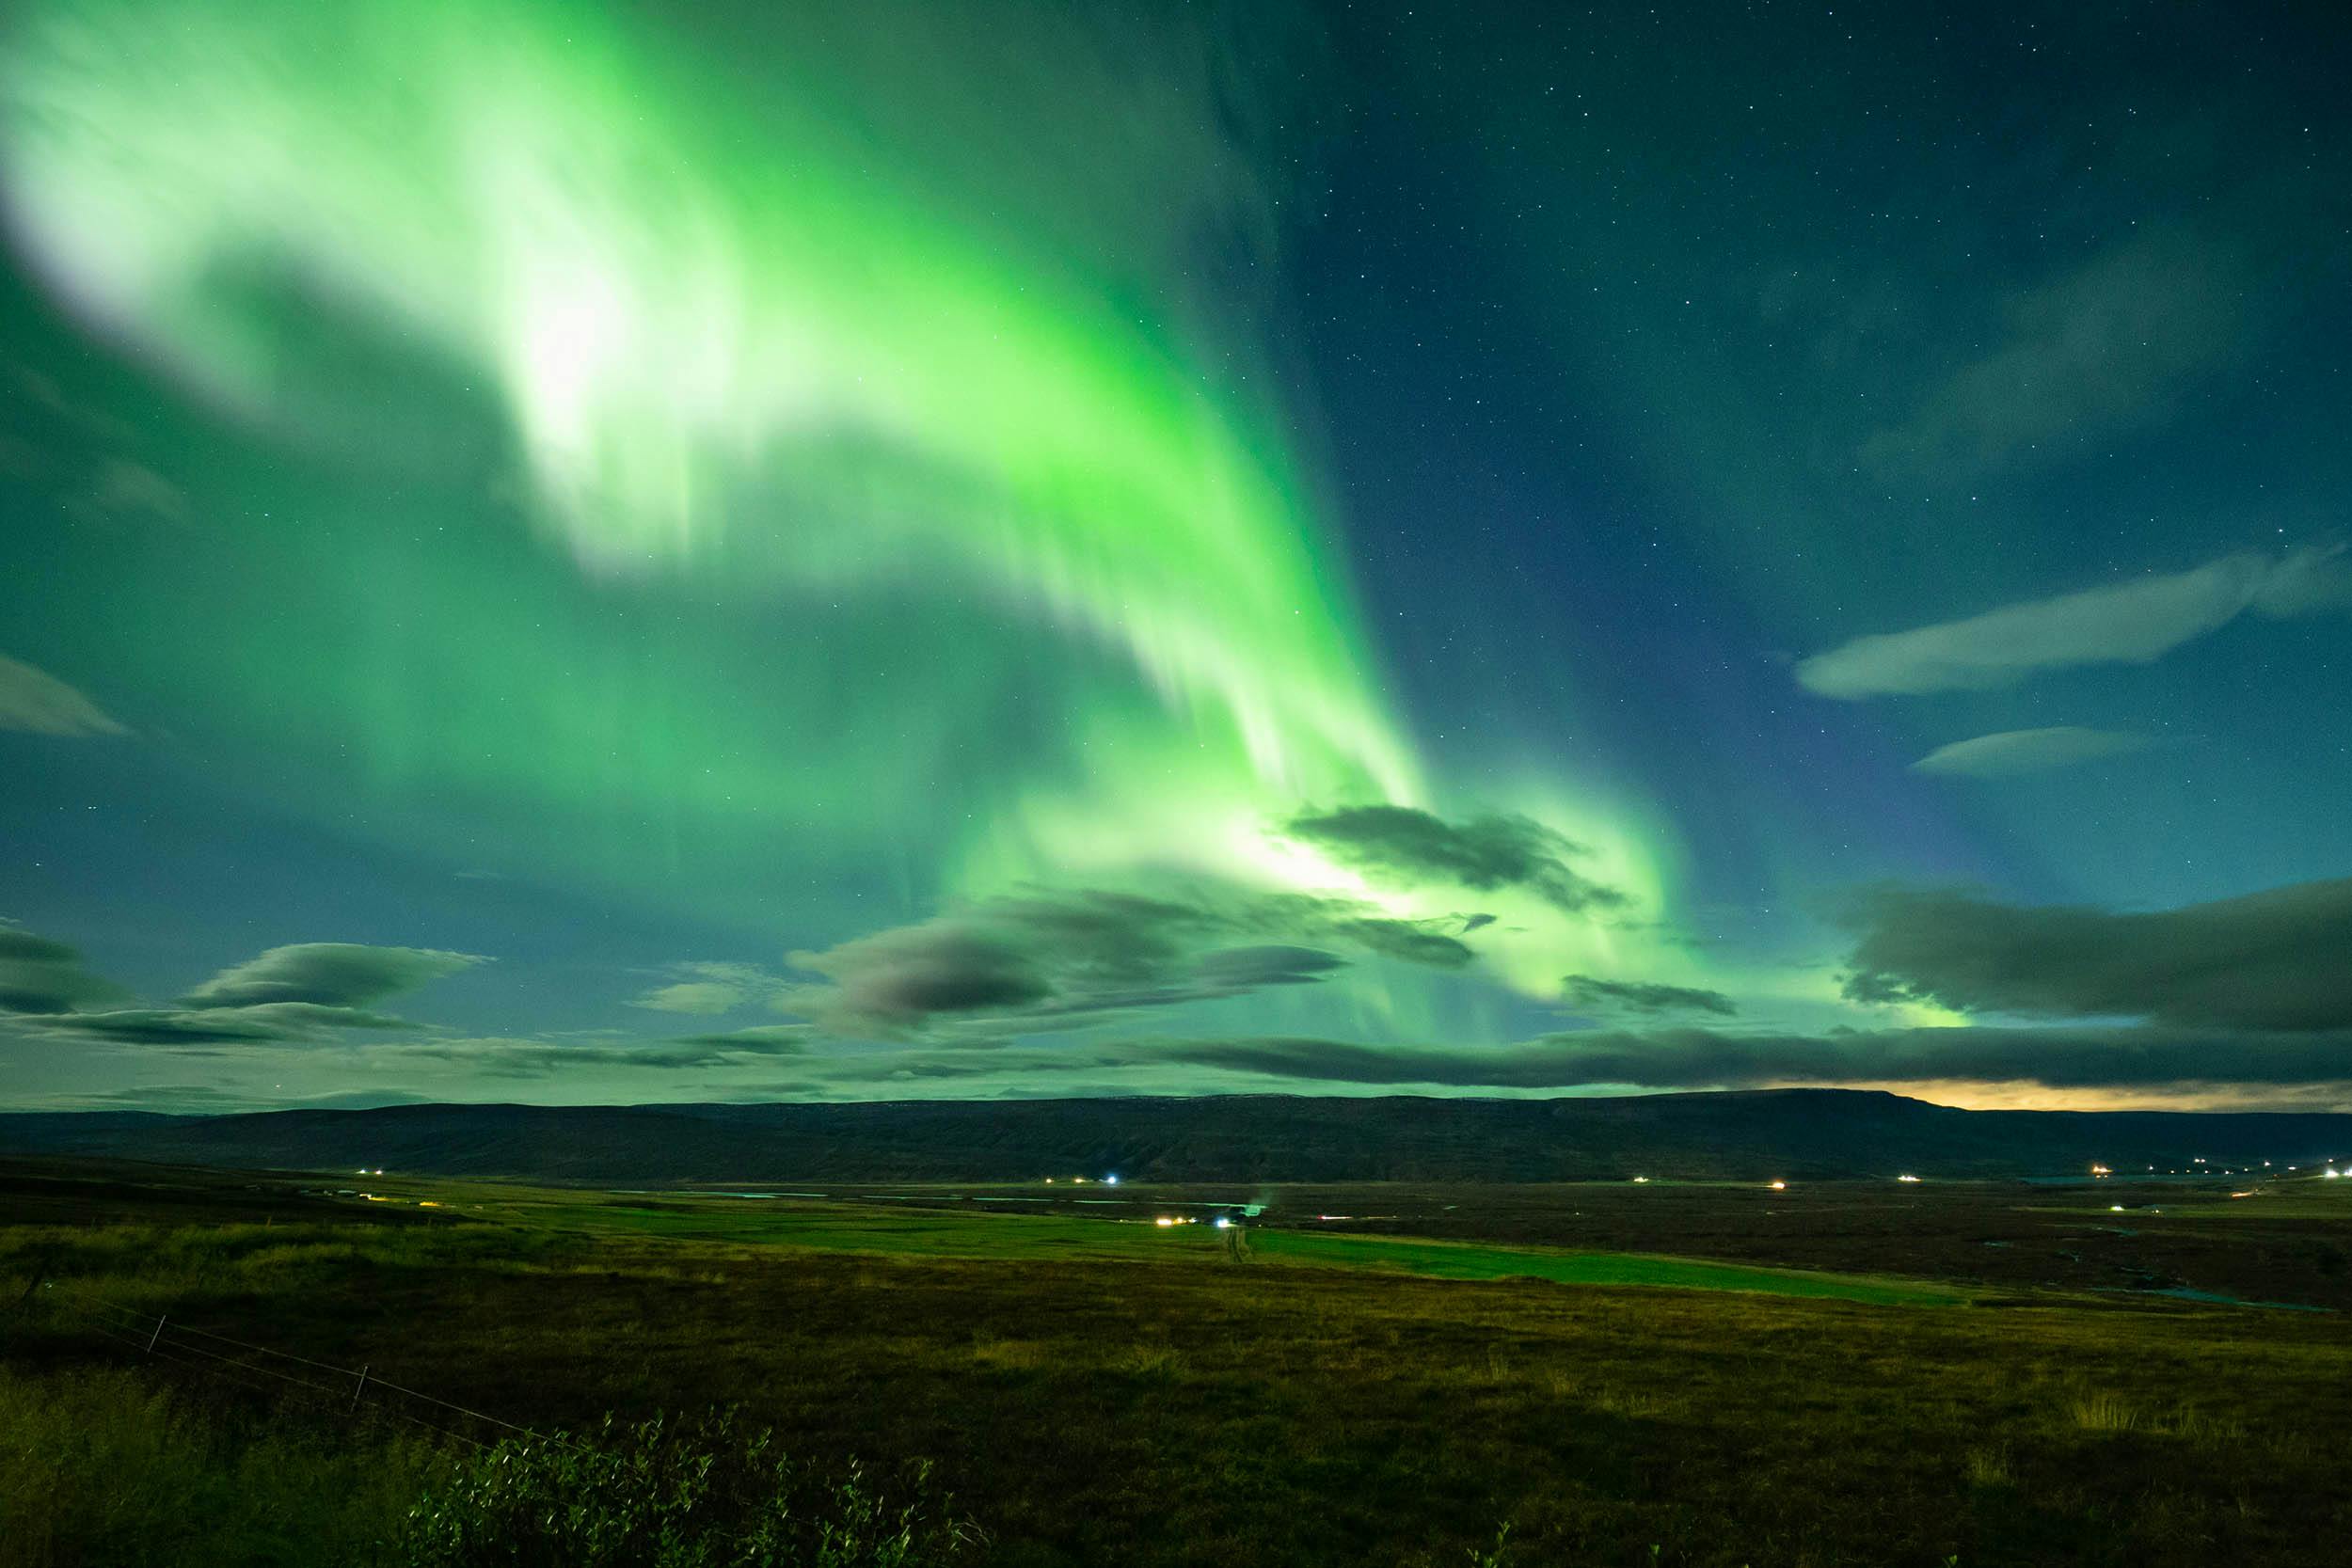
{"x": 40, "y": 704}
{"x": 327, "y": 975}
{"x": 1247, "y": 968}
{"x": 1409, "y": 847}
{"x": 1070, "y": 957}
{"x": 709, "y": 989}
{"x": 129, "y": 492}
{"x": 42, "y": 976}
{"x": 1691, "y": 1058}
{"x": 770, "y": 1040}
{"x": 279, "y": 1023}
{"x": 1646, "y": 996}
{"x": 2012, "y": 752}
{"x": 2132, "y": 623}
{"x": 2277, "y": 960}
{"x": 551, "y": 1056}
{"x": 2105, "y": 346}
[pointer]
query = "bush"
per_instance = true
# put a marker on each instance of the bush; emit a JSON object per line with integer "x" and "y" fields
{"x": 673, "y": 1494}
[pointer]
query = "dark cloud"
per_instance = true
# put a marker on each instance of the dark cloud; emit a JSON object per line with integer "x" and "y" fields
{"x": 327, "y": 973}
{"x": 1068, "y": 958}
{"x": 2078, "y": 1056}
{"x": 551, "y": 1056}
{"x": 287, "y": 996}
{"x": 1406, "y": 846}
{"x": 1643, "y": 996}
{"x": 278, "y": 1022}
{"x": 1419, "y": 942}
{"x": 1246, "y": 968}
{"x": 2275, "y": 960}
{"x": 42, "y": 976}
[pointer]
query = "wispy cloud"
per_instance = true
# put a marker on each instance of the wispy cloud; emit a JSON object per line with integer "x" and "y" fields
{"x": 2012, "y": 752}
{"x": 709, "y": 989}
{"x": 2105, "y": 345}
{"x": 2130, "y": 623}
{"x": 38, "y": 703}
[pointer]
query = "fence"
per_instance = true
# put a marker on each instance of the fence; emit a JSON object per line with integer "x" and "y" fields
{"x": 267, "y": 1369}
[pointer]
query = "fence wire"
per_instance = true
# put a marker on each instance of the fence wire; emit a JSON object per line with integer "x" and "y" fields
{"x": 157, "y": 1336}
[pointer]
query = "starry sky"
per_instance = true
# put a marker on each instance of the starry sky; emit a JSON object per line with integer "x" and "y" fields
{"x": 623, "y": 552}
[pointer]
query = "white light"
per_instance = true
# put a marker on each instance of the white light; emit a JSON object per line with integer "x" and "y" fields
{"x": 1110, "y": 1181}
{"x": 1224, "y": 1221}
{"x": 1780, "y": 1186}
{"x": 1906, "y": 1178}
{"x": 2115, "y": 1207}
{"x": 1162, "y": 1222}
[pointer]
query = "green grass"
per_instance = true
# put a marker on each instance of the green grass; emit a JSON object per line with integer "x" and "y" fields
{"x": 1453, "y": 1260}
{"x": 982, "y": 1234}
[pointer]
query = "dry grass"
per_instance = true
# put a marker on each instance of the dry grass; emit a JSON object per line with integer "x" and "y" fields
{"x": 1154, "y": 1416}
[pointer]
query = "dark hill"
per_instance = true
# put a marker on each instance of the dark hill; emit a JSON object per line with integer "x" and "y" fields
{"x": 1814, "y": 1133}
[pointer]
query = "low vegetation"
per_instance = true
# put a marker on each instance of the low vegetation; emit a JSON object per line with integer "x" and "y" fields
{"x": 1080, "y": 1405}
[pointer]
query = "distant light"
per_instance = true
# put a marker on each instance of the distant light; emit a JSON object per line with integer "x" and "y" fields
{"x": 1110, "y": 1181}
{"x": 1906, "y": 1178}
{"x": 427, "y": 1203}
{"x": 1225, "y": 1222}
{"x": 1780, "y": 1186}
{"x": 1640, "y": 1181}
{"x": 2331, "y": 1173}
{"x": 1049, "y": 1180}
{"x": 1162, "y": 1222}
{"x": 2115, "y": 1207}
{"x": 2102, "y": 1170}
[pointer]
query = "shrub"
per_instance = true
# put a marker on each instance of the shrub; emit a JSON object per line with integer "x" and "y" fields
{"x": 667, "y": 1493}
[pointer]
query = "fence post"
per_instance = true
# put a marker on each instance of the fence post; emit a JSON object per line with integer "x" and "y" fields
{"x": 360, "y": 1389}
{"x": 157, "y": 1334}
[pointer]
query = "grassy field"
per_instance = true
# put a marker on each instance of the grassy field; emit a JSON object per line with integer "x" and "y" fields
{"x": 1095, "y": 1392}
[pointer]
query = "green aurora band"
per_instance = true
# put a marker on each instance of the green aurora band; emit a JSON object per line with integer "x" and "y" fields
{"x": 892, "y": 518}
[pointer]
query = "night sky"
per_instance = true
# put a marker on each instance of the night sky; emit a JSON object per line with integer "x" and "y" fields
{"x": 625, "y": 552}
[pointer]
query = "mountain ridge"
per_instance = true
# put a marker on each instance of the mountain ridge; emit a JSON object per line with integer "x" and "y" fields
{"x": 1749, "y": 1134}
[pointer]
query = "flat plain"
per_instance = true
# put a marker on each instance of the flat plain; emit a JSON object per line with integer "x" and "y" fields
{"x": 1837, "y": 1373}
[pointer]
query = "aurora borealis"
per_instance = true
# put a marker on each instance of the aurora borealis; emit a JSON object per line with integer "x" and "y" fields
{"x": 614, "y": 552}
